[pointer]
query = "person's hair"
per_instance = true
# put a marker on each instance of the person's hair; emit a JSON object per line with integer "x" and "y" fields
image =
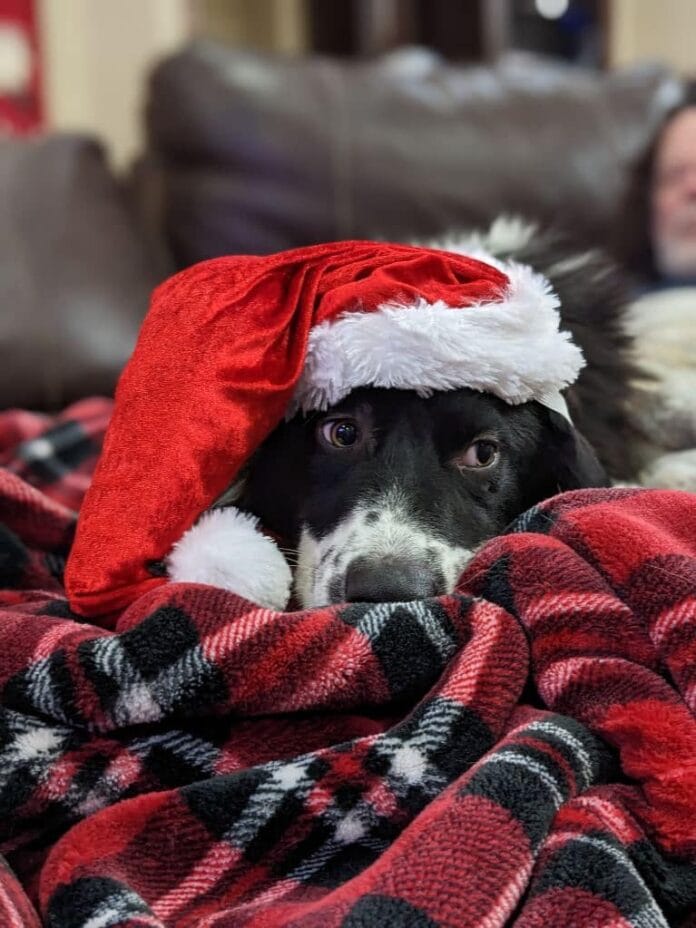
{"x": 632, "y": 239}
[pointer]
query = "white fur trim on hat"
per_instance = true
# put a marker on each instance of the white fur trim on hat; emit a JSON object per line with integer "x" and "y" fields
{"x": 226, "y": 549}
{"x": 512, "y": 348}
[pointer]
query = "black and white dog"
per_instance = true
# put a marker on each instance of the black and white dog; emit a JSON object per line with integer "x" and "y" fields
{"x": 385, "y": 496}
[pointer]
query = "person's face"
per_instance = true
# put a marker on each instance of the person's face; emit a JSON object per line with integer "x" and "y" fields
{"x": 674, "y": 198}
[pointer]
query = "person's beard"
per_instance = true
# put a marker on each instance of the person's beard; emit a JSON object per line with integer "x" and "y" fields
{"x": 675, "y": 251}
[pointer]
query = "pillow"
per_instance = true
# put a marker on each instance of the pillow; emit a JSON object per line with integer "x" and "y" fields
{"x": 75, "y": 272}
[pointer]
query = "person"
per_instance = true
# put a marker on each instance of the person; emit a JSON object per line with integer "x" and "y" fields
{"x": 656, "y": 245}
{"x": 655, "y": 239}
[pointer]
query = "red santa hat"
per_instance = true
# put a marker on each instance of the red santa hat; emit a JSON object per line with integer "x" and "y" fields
{"x": 231, "y": 346}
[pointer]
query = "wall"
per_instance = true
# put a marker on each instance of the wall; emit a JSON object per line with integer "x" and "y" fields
{"x": 96, "y": 56}
{"x": 272, "y": 25}
{"x": 655, "y": 30}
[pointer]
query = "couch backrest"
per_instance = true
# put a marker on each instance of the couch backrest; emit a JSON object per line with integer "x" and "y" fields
{"x": 258, "y": 153}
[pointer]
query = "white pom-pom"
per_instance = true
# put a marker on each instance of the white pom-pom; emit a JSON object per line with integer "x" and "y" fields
{"x": 226, "y": 549}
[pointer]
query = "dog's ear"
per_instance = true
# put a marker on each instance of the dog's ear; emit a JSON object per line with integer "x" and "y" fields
{"x": 275, "y": 481}
{"x": 568, "y": 460}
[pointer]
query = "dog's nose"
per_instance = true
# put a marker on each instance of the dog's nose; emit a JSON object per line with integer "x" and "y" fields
{"x": 390, "y": 580}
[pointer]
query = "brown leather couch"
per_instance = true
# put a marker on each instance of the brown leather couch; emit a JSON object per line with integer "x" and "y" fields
{"x": 259, "y": 154}
{"x": 250, "y": 153}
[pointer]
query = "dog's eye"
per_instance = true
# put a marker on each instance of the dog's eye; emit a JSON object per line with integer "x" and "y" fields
{"x": 481, "y": 453}
{"x": 340, "y": 433}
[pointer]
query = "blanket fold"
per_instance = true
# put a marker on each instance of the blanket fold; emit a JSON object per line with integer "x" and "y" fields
{"x": 520, "y": 752}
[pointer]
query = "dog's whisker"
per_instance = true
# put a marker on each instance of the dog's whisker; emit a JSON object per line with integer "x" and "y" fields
{"x": 291, "y": 556}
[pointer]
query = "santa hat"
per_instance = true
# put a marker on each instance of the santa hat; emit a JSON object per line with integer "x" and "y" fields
{"x": 232, "y": 345}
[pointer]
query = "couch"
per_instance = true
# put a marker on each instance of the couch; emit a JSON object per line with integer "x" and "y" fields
{"x": 252, "y": 153}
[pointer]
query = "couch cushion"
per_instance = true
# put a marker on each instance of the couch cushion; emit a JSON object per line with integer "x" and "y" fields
{"x": 259, "y": 153}
{"x": 75, "y": 272}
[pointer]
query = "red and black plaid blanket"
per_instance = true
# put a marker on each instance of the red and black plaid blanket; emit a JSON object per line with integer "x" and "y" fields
{"x": 523, "y": 752}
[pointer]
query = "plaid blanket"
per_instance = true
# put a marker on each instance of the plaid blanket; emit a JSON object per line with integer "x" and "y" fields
{"x": 522, "y": 752}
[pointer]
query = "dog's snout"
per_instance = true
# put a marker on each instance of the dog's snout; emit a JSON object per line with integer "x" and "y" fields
{"x": 390, "y": 580}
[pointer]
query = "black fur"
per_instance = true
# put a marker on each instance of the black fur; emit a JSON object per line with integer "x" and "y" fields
{"x": 409, "y": 447}
{"x": 594, "y": 294}
{"x": 410, "y": 443}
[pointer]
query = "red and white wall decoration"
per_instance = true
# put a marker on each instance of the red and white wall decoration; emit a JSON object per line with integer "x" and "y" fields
{"x": 21, "y": 110}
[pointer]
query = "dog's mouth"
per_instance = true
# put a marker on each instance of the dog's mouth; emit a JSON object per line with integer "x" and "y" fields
{"x": 374, "y": 579}
{"x": 375, "y": 556}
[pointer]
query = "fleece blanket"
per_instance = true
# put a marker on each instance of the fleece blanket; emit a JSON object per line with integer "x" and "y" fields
{"x": 522, "y": 752}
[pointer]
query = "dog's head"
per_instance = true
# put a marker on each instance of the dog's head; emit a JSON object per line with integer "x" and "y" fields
{"x": 387, "y": 494}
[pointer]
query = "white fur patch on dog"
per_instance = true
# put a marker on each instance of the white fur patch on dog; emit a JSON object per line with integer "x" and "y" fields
{"x": 323, "y": 562}
{"x": 674, "y": 470}
{"x": 505, "y": 235}
{"x": 226, "y": 549}
{"x": 663, "y": 326}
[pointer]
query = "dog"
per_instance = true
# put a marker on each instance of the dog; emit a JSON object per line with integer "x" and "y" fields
{"x": 386, "y": 496}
